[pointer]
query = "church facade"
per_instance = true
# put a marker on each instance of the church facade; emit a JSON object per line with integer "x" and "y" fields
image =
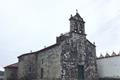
{"x": 72, "y": 57}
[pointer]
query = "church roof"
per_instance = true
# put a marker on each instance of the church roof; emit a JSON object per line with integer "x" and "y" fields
{"x": 46, "y": 48}
{"x": 78, "y": 17}
{"x": 15, "y": 65}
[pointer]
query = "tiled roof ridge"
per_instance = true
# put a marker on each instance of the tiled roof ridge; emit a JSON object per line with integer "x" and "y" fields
{"x": 15, "y": 65}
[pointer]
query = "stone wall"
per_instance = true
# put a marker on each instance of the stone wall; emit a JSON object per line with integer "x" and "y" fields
{"x": 10, "y": 74}
{"x": 40, "y": 65}
{"x": 78, "y": 51}
{"x": 27, "y": 67}
{"x": 49, "y": 61}
{"x": 69, "y": 57}
{"x": 2, "y": 75}
{"x": 90, "y": 61}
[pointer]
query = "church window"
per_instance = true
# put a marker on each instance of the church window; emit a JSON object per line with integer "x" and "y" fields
{"x": 30, "y": 68}
{"x": 42, "y": 73}
{"x": 42, "y": 61}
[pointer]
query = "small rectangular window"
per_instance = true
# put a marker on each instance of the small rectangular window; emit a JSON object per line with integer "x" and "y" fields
{"x": 30, "y": 68}
{"x": 42, "y": 72}
{"x": 42, "y": 61}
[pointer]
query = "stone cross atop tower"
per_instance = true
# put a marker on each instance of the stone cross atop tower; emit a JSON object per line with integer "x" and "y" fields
{"x": 77, "y": 24}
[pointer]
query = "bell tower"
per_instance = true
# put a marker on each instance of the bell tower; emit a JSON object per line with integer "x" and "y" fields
{"x": 78, "y": 54}
{"x": 77, "y": 24}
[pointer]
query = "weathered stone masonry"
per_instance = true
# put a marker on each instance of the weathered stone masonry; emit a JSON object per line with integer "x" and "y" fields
{"x": 11, "y": 72}
{"x": 77, "y": 52}
{"x": 73, "y": 57}
{"x": 27, "y": 67}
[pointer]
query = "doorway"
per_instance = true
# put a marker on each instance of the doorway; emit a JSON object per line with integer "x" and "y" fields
{"x": 80, "y": 72}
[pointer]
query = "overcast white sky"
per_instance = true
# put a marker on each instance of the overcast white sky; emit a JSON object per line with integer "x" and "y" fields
{"x": 32, "y": 24}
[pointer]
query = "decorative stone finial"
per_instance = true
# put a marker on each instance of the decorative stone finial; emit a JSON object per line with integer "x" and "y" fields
{"x": 113, "y": 54}
{"x": 101, "y": 56}
{"x": 107, "y": 55}
{"x": 76, "y": 11}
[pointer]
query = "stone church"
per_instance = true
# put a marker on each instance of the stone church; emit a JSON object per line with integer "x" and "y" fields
{"x": 72, "y": 57}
